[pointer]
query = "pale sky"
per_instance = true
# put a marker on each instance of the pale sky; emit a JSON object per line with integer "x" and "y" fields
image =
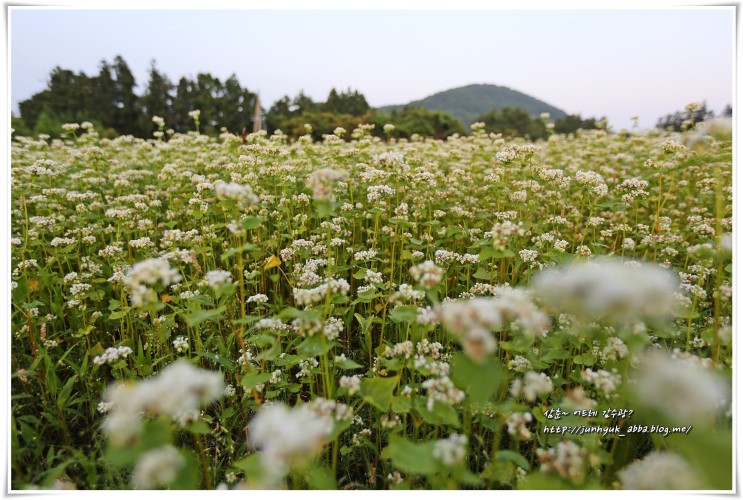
{"x": 615, "y": 63}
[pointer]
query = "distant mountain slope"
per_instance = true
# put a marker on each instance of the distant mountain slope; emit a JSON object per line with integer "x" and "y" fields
{"x": 467, "y": 103}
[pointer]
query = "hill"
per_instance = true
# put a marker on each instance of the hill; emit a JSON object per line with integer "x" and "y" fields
{"x": 467, "y": 103}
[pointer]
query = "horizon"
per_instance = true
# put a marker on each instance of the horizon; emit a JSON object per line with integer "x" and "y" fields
{"x": 633, "y": 70}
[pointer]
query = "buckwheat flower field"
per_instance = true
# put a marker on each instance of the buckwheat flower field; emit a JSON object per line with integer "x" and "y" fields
{"x": 360, "y": 313}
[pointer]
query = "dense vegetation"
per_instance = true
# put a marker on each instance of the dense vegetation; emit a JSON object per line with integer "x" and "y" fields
{"x": 192, "y": 311}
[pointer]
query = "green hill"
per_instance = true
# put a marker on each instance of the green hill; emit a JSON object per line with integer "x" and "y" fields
{"x": 467, "y": 103}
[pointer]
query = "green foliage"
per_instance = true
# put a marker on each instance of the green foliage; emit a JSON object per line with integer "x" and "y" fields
{"x": 416, "y": 120}
{"x": 513, "y": 122}
{"x": 572, "y": 123}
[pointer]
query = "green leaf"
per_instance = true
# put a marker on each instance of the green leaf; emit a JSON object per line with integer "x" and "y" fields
{"x": 480, "y": 381}
{"x": 441, "y": 414}
{"x": 324, "y": 208}
{"x": 199, "y": 317}
{"x": 314, "y": 346}
{"x": 348, "y": 364}
{"x": 320, "y": 478}
{"x": 117, "y": 314}
{"x": 401, "y": 404}
{"x": 251, "y": 222}
{"x": 512, "y": 456}
{"x": 414, "y": 458}
{"x": 199, "y": 427}
{"x": 250, "y": 380}
{"x": 482, "y": 274}
{"x": 584, "y": 359}
{"x": 251, "y": 466}
{"x": 491, "y": 253}
{"x": 378, "y": 391}
{"x": 226, "y": 363}
{"x": 189, "y": 476}
{"x": 64, "y": 394}
{"x": 555, "y": 354}
{"x": 404, "y": 314}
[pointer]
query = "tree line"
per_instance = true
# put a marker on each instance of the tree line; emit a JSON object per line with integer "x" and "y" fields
{"x": 108, "y": 100}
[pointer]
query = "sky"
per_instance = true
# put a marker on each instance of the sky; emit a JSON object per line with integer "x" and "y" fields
{"x": 613, "y": 63}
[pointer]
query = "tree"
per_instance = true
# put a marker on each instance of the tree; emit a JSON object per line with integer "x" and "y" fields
{"x": 157, "y": 100}
{"x": 418, "y": 120}
{"x": 185, "y": 101}
{"x": 684, "y": 120}
{"x": 126, "y": 115}
{"x": 513, "y": 122}
{"x": 352, "y": 103}
{"x": 571, "y": 123}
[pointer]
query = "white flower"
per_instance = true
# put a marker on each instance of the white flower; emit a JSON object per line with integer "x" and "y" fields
{"x": 451, "y": 450}
{"x": 180, "y": 344}
{"x": 112, "y": 354}
{"x": 567, "y": 459}
{"x": 681, "y": 389}
{"x": 287, "y": 435}
{"x": 178, "y": 389}
{"x": 427, "y": 274}
{"x": 608, "y": 288}
{"x": 352, "y": 384}
{"x": 234, "y": 191}
{"x": 517, "y": 425}
{"x": 158, "y": 467}
{"x": 534, "y": 384}
{"x": 257, "y": 299}
{"x": 307, "y": 297}
{"x": 216, "y": 278}
{"x": 659, "y": 471}
{"x": 321, "y": 182}
{"x": 471, "y": 321}
{"x": 145, "y": 274}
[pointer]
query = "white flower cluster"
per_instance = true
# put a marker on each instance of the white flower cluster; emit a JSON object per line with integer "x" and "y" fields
{"x": 567, "y": 459}
{"x": 321, "y": 182}
{"x": 332, "y": 328}
{"x": 609, "y": 289}
{"x": 180, "y": 344}
{"x": 604, "y": 381}
{"x": 446, "y": 257}
{"x": 375, "y": 193}
{"x": 534, "y": 384}
{"x": 519, "y": 364}
{"x": 311, "y": 296}
{"x": 352, "y": 384}
{"x": 406, "y": 293}
{"x": 442, "y": 389}
{"x": 112, "y": 354}
{"x": 286, "y": 436}
{"x": 472, "y": 321}
{"x": 158, "y": 467}
{"x": 365, "y": 254}
{"x": 659, "y": 471}
{"x": 145, "y": 274}
{"x": 427, "y": 274}
{"x": 257, "y": 299}
{"x": 217, "y": 278}
{"x": 177, "y": 390}
{"x": 681, "y": 389}
{"x": 452, "y": 450}
{"x": 233, "y": 191}
{"x": 517, "y": 425}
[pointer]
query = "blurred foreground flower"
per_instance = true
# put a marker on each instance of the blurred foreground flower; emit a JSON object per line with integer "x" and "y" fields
{"x": 610, "y": 289}
{"x": 659, "y": 471}
{"x": 177, "y": 391}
